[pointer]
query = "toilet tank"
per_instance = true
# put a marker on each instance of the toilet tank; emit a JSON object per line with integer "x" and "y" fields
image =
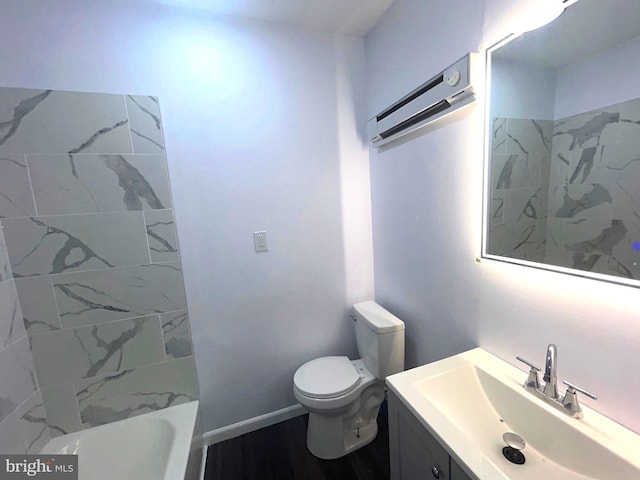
{"x": 380, "y": 338}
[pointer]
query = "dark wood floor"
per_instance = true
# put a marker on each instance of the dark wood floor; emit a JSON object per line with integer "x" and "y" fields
{"x": 279, "y": 452}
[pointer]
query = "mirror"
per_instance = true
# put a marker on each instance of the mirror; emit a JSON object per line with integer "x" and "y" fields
{"x": 563, "y": 144}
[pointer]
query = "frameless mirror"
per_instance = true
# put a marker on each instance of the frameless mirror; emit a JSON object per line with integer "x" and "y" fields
{"x": 563, "y": 146}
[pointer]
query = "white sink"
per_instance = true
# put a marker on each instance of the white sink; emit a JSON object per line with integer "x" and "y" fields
{"x": 470, "y": 400}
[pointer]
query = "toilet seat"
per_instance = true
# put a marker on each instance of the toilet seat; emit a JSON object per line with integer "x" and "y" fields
{"x": 326, "y": 377}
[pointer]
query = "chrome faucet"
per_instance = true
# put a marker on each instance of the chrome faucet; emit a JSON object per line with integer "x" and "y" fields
{"x": 549, "y": 393}
{"x": 550, "y": 373}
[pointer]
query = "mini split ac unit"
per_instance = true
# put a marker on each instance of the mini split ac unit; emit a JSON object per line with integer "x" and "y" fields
{"x": 443, "y": 94}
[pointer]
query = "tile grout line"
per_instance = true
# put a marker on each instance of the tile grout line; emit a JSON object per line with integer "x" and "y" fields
{"x": 100, "y": 376}
{"x": 107, "y": 269}
{"x": 146, "y": 236}
{"x": 55, "y": 301}
{"x": 33, "y": 193}
{"x": 126, "y": 111}
{"x": 102, "y": 323}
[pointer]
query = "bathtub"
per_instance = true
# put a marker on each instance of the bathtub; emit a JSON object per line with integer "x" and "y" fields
{"x": 153, "y": 446}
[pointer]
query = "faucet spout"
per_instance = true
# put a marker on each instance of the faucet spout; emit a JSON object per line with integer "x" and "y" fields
{"x": 550, "y": 376}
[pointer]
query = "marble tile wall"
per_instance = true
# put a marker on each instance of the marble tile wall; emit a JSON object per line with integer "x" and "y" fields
{"x": 520, "y": 163}
{"x": 23, "y": 426}
{"x": 577, "y": 204}
{"x": 594, "y": 191}
{"x": 90, "y": 250}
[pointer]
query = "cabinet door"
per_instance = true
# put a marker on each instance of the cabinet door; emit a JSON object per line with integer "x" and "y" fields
{"x": 415, "y": 454}
{"x": 457, "y": 473}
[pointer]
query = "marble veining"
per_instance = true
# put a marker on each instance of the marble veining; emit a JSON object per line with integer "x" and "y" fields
{"x": 161, "y": 234}
{"x": 73, "y": 250}
{"x": 133, "y": 392}
{"x": 93, "y": 297}
{"x": 15, "y": 189}
{"x": 146, "y": 126}
{"x": 24, "y": 108}
{"x": 177, "y": 335}
{"x": 590, "y": 130}
{"x": 90, "y": 278}
{"x": 588, "y": 168}
{"x": 33, "y": 420}
{"x": 52, "y": 245}
{"x": 99, "y": 183}
{"x": 84, "y": 352}
{"x": 135, "y": 186}
{"x": 571, "y": 207}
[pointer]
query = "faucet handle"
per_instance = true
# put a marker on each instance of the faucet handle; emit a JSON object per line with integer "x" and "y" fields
{"x": 532, "y": 383}
{"x": 527, "y": 362}
{"x": 570, "y": 400}
{"x": 573, "y": 389}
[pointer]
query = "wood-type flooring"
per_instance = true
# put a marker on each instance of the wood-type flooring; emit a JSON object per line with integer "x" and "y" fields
{"x": 279, "y": 452}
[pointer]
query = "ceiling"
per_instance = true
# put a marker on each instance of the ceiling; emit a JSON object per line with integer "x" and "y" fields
{"x": 350, "y": 17}
{"x": 584, "y": 29}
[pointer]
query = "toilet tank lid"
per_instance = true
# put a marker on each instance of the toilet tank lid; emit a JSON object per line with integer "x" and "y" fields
{"x": 377, "y": 318}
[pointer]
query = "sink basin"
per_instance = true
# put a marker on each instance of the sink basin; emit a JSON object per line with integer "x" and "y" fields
{"x": 470, "y": 400}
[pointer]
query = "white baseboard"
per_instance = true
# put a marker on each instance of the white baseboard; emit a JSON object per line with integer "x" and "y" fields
{"x": 252, "y": 424}
{"x": 203, "y": 462}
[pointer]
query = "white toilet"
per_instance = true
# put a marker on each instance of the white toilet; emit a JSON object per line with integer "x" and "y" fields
{"x": 343, "y": 396}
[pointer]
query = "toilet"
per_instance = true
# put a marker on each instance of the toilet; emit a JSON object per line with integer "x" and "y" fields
{"x": 343, "y": 396}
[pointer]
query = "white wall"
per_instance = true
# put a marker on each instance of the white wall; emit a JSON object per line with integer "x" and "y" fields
{"x": 426, "y": 197}
{"x": 260, "y": 134}
{"x": 510, "y": 80}
{"x": 600, "y": 80}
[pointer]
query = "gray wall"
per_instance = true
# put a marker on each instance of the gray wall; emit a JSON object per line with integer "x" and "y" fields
{"x": 427, "y": 218}
{"x": 88, "y": 223}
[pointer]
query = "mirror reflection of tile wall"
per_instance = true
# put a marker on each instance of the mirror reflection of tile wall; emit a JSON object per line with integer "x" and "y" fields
{"x": 567, "y": 192}
{"x": 88, "y": 223}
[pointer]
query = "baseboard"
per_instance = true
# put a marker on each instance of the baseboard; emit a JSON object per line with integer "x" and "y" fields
{"x": 203, "y": 462}
{"x": 252, "y": 424}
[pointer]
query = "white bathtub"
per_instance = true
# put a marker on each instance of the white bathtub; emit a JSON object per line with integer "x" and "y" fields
{"x": 153, "y": 446}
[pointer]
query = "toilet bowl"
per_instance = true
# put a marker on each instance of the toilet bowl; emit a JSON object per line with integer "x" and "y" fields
{"x": 343, "y": 399}
{"x": 343, "y": 396}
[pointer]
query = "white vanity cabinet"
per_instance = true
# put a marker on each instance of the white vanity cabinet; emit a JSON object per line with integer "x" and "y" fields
{"x": 415, "y": 453}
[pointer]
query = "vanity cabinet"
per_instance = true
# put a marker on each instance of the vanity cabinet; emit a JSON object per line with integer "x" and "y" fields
{"x": 415, "y": 453}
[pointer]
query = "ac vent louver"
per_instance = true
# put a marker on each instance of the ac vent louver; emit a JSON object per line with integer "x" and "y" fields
{"x": 434, "y": 99}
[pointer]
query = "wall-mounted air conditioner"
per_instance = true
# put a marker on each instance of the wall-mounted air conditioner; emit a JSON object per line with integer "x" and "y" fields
{"x": 443, "y": 94}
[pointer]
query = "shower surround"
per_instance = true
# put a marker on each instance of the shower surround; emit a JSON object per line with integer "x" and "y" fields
{"x": 86, "y": 211}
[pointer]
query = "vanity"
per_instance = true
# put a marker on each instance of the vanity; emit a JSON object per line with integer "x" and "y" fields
{"x": 415, "y": 452}
{"x": 447, "y": 421}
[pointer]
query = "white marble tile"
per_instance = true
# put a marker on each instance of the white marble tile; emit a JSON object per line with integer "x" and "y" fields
{"x": 496, "y": 207}
{"x": 39, "y": 308}
{"x": 524, "y": 204}
{"x": 11, "y": 441}
{"x": 45, "y": 121}
{"x": 5, "y": 264}
{"x": 87, "y": 298}
{"x": 138, "y": 391}
{"x": 32, "y": 420}
{"x": 84, "y": 352}
{"x": 145, "y": 124}
{"x": 11, "y": 323}
{"x": 17, "y": 376}
{"x": 61, "y": 405}
{"x": 529, "y": 137}
{"x": 66, "y": 184}
{"x": 16, "y": 199}
{"x": 177, "y": 334}
{"x": 67, "y": 243}
{"x": 499, "y": 136}
{"x": 161, "y": 234}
